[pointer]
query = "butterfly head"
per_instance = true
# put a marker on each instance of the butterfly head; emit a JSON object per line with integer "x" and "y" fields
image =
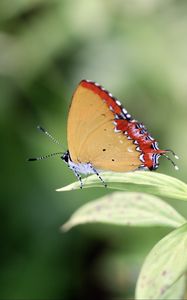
{"x": 66, "y": 157}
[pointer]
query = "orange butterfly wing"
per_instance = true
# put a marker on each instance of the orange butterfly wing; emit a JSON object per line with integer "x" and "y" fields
{"x": 91, "y": 133}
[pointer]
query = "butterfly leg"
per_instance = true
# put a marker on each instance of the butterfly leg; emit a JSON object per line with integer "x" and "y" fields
{"x": 96, "y": 172}
{"x": 78, "y": 176}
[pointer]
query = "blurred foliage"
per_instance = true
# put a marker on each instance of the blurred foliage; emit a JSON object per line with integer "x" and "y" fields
{"x": 136, "y": 49}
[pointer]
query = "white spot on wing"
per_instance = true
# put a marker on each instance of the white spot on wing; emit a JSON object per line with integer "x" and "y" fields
{"x": 124, "y": 110}
{"x": 142, "y": 158}
{"x": 150, "y": 137}
{"x": 130, "y": 150}
{"x": 118, "y": 102}
{"x": 138, "y": 148}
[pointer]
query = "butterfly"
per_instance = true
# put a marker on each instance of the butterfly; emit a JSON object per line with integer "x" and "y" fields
{"x": 103, "y": 136}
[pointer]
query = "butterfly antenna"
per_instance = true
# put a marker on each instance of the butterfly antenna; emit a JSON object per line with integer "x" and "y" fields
{"x": 174, "y": 154}
{"x": 168, "y": 158}
{"x": 49, "y": 135}
{"x": 45, "y": 156}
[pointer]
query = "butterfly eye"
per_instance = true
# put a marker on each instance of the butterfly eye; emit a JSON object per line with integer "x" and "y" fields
{"x": 66, "y": 157}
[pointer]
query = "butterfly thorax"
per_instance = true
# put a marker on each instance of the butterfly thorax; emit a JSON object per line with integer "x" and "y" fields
{"x": 83, "y": 168}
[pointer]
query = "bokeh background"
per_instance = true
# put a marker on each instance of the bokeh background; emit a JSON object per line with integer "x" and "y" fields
{"x": 136, "y": 49}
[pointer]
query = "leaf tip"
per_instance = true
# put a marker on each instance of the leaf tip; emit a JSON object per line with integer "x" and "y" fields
{"x": 64, "y": 189}
{"x": 65, "y": 227}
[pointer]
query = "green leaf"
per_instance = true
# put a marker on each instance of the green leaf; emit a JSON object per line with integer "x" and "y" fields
{"x": 138, "y": 181}
{"x": 127, "y": 208}
{"x": 177, "y": 290}
{"x": 163, "y": 267}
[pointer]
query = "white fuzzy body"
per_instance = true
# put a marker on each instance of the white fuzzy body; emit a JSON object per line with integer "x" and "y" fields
{"x": 83, "y": 168}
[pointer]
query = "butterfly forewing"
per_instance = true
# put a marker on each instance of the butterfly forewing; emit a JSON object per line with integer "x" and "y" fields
{"x": 92, "y": 137}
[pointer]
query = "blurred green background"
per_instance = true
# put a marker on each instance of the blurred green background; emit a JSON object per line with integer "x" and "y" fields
{"x": 138, "y": 50}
